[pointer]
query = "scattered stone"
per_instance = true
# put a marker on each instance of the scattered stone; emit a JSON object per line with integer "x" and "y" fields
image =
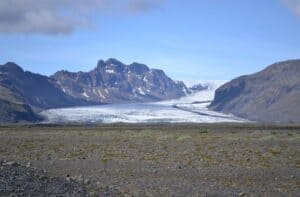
{"x": 11, "y": 163}
{"x": 28, "y": 165}
{"x": 68, "y": 178}
{"x": 87, "y": 181}
{"x": 18, "y": 180}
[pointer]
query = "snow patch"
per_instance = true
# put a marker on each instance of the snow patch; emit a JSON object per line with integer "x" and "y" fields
{"x": 184, "y": 91}
{"x": 141, "y": 91}
{"x": 101, "y": 95}
{"x": 95, "y": 90}
{"x": 145, "y": 79}
{"x": 85, "y": 95}
{"x": 110, "y": 71}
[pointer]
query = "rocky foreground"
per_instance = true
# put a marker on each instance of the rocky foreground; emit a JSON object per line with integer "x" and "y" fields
{"x": 18, "y": 180}
{"x": 150, "y": 160}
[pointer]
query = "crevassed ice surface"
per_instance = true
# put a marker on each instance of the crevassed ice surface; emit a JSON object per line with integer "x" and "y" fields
{"x": 192, "y": 108}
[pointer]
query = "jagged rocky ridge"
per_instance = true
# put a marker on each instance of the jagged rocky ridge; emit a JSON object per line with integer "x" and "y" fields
{"x": 35, "y": 90}
{"x": 198, "y": 87}
{"x": 23, "y": 92}
{"x": 114, "y": 82}
{"x": 272, "y": 95}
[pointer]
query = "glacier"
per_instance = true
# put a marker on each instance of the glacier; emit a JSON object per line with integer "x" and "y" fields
{"x": 188, "y": 109}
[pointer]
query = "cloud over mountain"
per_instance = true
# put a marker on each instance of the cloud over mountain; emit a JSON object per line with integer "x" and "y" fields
{"x": 63, "y": 16}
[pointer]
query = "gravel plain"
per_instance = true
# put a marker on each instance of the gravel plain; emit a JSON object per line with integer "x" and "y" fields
{"x": 151, "y": 160}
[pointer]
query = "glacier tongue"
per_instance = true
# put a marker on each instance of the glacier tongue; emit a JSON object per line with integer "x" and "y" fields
{"x": 136, "y": 113}
{"x": 192, "y": 108}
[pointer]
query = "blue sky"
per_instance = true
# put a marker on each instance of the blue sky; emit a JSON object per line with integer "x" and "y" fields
{"x": 190, "y": 40}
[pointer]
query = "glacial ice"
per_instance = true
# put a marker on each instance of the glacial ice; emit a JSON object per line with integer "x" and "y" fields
{"x": 192, "y": 108}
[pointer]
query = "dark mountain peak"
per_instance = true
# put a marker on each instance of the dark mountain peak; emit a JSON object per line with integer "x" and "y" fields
{"x": 101, "y": 64}
{"x": 138, "y": 68}
{"x": 10, "y": 64}
{"x": 290, "y": 62}
{"x": 61, "y": 73}
{"x": 114, "y": 82}
{"x": 12, "y": 67}
{"x": 283, "y": 66}
{"x": 112, "y": 61}
{"x": 110, "y": 82}
{"x": 199, "y": 87}
{"x": 110, "y": 65}
{"x": 158, "y": 71}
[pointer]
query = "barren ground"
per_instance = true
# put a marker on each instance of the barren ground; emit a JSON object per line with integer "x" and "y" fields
{"x": 163, "y": 160}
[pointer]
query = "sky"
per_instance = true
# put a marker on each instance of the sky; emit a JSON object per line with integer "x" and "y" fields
{"x": 189, "y": 40}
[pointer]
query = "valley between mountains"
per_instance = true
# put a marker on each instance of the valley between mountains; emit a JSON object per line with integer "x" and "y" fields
{"x": 134, "y": 93}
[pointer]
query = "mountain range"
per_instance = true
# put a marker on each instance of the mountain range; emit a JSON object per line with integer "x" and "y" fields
{"x": 114, "y": 82}
{"x": 271, "y": 95}
{"x": 23, "y": 92}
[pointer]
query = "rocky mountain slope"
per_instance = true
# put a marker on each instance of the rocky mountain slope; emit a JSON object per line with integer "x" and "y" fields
{"x": 114, "y": 82}
{"x": 23, "y": 92}
{"x": 13, "y": 109}
{"x": 272, "y": 95}
{"x": 35, "y": 90}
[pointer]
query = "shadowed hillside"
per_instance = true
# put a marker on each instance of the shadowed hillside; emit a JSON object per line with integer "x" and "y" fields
{"x": 272, "y": 95}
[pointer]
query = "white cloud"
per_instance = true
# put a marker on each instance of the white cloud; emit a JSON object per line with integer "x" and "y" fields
{"x": 63, "y": 16}
{"x": 294, "y": 5}
{"x": 137, "y": 6}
